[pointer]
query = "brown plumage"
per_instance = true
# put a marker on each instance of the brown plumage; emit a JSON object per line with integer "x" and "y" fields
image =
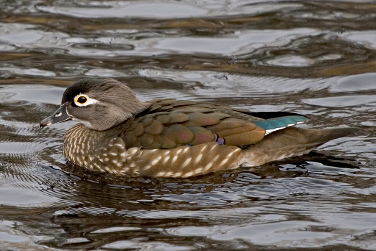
{"x": 168, "y": 138}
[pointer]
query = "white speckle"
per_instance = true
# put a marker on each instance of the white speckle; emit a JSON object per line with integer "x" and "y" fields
{"x": 133, "y": 150}
{"x": 188, "y": 174}
{"x": 166, "y": 159}
{"x": 198, "y": 158}
{"x": 106, "y": 159}
{"x": 230, "y": 154}
{"x": 178, "y": 174}
{"x": 186, "y": 162}
{"x": 136, "y": 172}
{"x": 174, "y": 159}
{"x": 161, "y": 174}
{"x": 215, "y": 158}
{"x": 204, "y": 147}
{"x": 113, "y": 153}
{"x": 79, "y": 141}
{"x": 79, "y": 160}
{"x": 97, "y": 166}
{"x": 121, "y": 146}
{"x": 156, "y": 160}
{"x": 223, "y": 162}
{"x": 123, "y": 154}
{"x": 198, "y": 170}
{"x": 133, "y": 165}
{"x": 169, "y": 174}
{"x": 185, "y": 149}
{"x": 212, "y": 148}
{"x": 147, "y": 167}
{"x": 208, "y": 166}
{"x": 179, "y": 151}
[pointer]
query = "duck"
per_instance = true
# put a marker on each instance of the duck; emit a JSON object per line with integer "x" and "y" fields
{"x": 118, "y": 134}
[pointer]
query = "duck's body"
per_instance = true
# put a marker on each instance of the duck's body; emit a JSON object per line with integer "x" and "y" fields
{"x": 168, "y": 138}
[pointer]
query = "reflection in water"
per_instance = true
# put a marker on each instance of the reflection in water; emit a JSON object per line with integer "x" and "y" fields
{"x": 262, "y": 56}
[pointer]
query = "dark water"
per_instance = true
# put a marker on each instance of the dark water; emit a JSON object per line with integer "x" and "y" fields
{"x": 317, "y": 58}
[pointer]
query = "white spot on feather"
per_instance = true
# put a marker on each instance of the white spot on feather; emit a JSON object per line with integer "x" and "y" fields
{"x": 198, "y": 158}
{"x": 198, "y": 170}
{"x": 133, "y": 150}
{"x": 156, "y": 160}
{"x": 119, "y": 145}
{"x": 208, "y": 166}
{"x": 187, "y": 174}
{"x": 166, "y": 159}
{"x": 147, "y": 167}
{"x": 186, "y": 162}
{"x": 174, "y": 159}
{"x": 224, "y": 161}
{"x": 113, "y": 153}
{"x": 97, "y": 166}
{"x": 215, "y": 158}
{"x": 204, "y": 147}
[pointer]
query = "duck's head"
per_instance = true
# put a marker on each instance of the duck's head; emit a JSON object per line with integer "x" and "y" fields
{"x": 98, "y": 104}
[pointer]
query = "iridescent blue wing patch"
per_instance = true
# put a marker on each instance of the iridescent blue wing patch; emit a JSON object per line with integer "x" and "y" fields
{"x": 275, "y": 124}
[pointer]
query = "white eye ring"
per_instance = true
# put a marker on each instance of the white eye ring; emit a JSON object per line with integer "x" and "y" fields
{"x": 83, "y": 100}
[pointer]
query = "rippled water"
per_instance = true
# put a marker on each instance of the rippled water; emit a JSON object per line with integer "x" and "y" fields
{"x": 317, "y": 58}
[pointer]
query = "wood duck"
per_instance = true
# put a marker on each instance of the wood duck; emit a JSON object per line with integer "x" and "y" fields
{"x": 119, "y": 134}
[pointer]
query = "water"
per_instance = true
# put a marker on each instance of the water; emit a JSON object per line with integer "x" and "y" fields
{"x": 312, "y": 57}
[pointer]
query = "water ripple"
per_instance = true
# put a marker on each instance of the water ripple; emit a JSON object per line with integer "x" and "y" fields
{"x": 299, "y": 56}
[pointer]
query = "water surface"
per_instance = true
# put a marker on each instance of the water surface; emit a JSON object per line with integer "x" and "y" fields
{"x": 316, "y": 58}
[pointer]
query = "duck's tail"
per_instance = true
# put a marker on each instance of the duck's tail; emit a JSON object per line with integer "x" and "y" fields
{"x": 290, "y": 142}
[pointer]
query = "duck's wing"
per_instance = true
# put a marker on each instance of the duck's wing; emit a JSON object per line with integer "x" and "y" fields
{"x": 169, "y": 123}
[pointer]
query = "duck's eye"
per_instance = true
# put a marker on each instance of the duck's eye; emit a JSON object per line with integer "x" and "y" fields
{"x": 83, "y": 100}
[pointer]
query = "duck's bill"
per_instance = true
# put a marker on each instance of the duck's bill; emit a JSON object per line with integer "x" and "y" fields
{"x": 60, "y": 115}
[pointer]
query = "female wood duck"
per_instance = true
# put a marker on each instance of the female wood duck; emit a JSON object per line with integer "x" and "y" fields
{"x": 119, "y": 134}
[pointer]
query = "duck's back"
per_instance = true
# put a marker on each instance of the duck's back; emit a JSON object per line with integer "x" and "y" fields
{"x": 168, "y": 123}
